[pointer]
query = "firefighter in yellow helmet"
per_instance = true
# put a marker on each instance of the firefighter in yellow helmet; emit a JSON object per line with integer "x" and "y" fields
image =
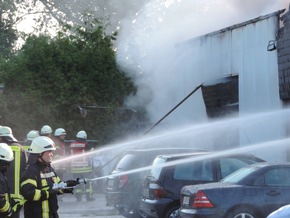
{"x": 82, "y": 165}
{"x": 17, "y": 166}
{"x": 40, "y": 184}
{"x": 6, "y": 156}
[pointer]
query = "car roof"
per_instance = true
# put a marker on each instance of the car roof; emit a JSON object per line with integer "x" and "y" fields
{"x": 269, "y": 164}
{"x": 166, "y": 149}
{"x": 185, "y": 155}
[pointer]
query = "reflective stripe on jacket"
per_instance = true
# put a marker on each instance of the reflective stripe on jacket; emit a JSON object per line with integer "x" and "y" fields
{"x": 5, "y": 206}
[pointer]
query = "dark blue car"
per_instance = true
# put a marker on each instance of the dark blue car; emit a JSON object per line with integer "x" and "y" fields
{"x": 251, "y": 192}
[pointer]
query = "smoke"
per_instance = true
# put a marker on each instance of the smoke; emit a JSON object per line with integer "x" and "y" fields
{"x": 146, "y": 48}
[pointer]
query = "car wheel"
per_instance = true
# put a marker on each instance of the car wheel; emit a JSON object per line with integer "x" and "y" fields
{"x": 243, "y": 213}
{"x": 173, "y": 212}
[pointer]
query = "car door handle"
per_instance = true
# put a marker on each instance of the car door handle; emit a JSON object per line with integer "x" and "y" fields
{"x": 273, "y": 193}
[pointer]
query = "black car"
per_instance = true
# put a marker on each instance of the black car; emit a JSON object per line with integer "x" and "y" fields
{"x": 161, "y": 190}
{"x": 251, "y": 192}
{"x": 123, "y": 187}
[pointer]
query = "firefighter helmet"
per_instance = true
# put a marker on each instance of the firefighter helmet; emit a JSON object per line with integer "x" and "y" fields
{"x": 59, "y": 132}
{"x": 6, "y": 132}
{"x": 6, "y": 152}
{"x": 45, "y": 130}
{"x": 32, "y": 135}
{"x": 81, "y": 135}
{"x": 41, "y": 144}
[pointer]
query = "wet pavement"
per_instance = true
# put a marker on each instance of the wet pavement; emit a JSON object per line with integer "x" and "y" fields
{"x": 70, "y": 207}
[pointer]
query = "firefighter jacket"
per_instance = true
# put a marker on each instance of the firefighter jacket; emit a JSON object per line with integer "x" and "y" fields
{"x": 36, "y": 188}
{"x": 5, "y": 202}
{"x": 14, "y": 173}
{"x": 16, "y": 169}
{"x": 60, "y": 148}
{"x": 83, "y": 163}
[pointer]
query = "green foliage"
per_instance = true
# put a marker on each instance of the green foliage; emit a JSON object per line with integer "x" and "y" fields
{"x": 49, "y": 78}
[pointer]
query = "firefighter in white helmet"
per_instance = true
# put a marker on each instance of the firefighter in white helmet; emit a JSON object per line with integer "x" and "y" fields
{"x": 17, "y": 166}
{"x": 46, "y": 131}
{"x": 82, "y": 165}
{"x": 39, "y": 180}
{"x": 59, "y": 136}
{"x": 29, "y": 137}
{"x": 6, "y": 205}
{"x": 60, "y": 152}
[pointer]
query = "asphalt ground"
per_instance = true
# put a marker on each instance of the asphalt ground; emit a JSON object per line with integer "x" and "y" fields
{"x": 70, "y": 207}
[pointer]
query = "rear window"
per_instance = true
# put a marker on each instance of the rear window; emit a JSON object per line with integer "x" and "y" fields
{"x": 238, "y": 175}
{"x": 194, "y": 171}
{"x": 232, "y": 164}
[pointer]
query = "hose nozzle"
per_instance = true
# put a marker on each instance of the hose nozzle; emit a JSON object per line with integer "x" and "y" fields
{"x": 82, "y": 181}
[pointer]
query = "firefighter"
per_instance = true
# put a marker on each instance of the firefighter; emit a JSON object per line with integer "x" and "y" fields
{"x": 46, "y": 131}
{"x": 59, "y": 136}
{"x": 60, "y": 152}
{"x": 82, "y": 166}
{"x": 39, "y": 181}
{"x": 17, "y": 166}
{"x": 6, "y": 156}
{"x": 29, "y": 137}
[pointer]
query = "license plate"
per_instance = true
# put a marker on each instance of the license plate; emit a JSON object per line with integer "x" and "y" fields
{"x": 111, "y": 183}
{"x": 186, "y": 200}
{"x": 146, "y": 193}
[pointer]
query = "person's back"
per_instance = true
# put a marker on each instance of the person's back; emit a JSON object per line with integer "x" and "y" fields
{"x": 6, "y": 156}
{"x": 17, "y": 166}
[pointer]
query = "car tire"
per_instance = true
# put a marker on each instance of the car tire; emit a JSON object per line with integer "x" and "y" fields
{"x": 173, "y": 212}
{"x": 243, "y": 212}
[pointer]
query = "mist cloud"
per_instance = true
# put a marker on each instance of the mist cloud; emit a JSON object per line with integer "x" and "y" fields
{"x": 147, "y": 49}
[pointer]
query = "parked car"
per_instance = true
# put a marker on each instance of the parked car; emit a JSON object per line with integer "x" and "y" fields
{"x": 123, "y": 187}
{"x": 252, "y": 192}
{"x": 161, "y": 190}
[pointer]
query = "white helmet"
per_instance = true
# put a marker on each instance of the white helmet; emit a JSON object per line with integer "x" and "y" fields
{"x": 45, "y": 130}
{"x": 6, "y": 131}
{"x": 6, "y": 152}
{"x": 41, "y": 144}
{"x": 81, "y": 135}
{"x": 59, "y": 132}
{"x": 32, "y": 134}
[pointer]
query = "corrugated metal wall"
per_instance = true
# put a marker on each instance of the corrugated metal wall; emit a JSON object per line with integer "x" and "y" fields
{"x": 242, "y": 50}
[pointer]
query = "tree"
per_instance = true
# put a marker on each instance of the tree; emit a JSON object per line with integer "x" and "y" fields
{"x": 8, "y": 34}
{"x": 51, "y": 79}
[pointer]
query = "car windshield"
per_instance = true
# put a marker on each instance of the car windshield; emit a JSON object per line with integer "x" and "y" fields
{"x": 238, "y": 175}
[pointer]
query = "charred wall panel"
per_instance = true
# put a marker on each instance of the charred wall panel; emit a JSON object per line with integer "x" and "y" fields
{"x": 221, "y": 97}
{"x": 283, "y": 52}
